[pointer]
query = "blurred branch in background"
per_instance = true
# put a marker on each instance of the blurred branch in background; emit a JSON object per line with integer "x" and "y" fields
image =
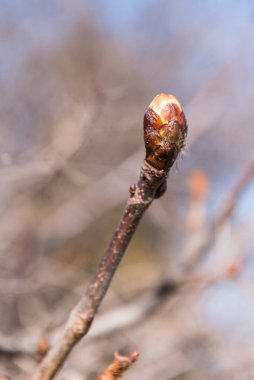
{"x": 122, "y": 317}
{"x": 67, "y": 66}
{"x": 197, "y": 245}
{"x": 119, "y": 365}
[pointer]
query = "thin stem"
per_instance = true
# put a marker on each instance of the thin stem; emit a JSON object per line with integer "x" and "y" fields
{"x": 165, "y": 131}
{"x": 81, "y": 318}
{"x": 120, "y": 364}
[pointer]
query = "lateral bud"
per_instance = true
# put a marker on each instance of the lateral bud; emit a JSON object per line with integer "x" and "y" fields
{"x": 165, "y": 131}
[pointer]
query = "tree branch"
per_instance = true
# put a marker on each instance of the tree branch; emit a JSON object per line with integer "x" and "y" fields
{"x": 165, "y": 131}
{"x": 120, "y": 364}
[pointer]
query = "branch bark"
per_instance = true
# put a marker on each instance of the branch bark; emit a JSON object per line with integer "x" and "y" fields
{"x": 165, "y": 131}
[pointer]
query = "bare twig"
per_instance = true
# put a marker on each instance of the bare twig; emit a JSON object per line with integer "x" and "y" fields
{"x": 119, "y": 365}
{"x": 138, "y": 310}
{"x": 144, "y": 306}
{"x": 165, "y": 131}
{"x": 131, "y": 313}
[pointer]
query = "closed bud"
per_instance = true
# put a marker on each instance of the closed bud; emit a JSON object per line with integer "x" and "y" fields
{"x": 165, "y": 131}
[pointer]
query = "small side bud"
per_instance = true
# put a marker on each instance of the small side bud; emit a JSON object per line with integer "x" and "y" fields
{"x": 165, "y": 131}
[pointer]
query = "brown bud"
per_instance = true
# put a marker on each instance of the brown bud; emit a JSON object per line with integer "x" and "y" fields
{"x": 42, "y": 347}
{"x": 165, "y": 131}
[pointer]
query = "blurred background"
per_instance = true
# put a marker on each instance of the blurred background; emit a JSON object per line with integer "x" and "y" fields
{"x": 75, "y": 80}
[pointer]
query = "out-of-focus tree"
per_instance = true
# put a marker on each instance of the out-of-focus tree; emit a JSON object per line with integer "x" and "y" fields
{"x": 75, "y": 79}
